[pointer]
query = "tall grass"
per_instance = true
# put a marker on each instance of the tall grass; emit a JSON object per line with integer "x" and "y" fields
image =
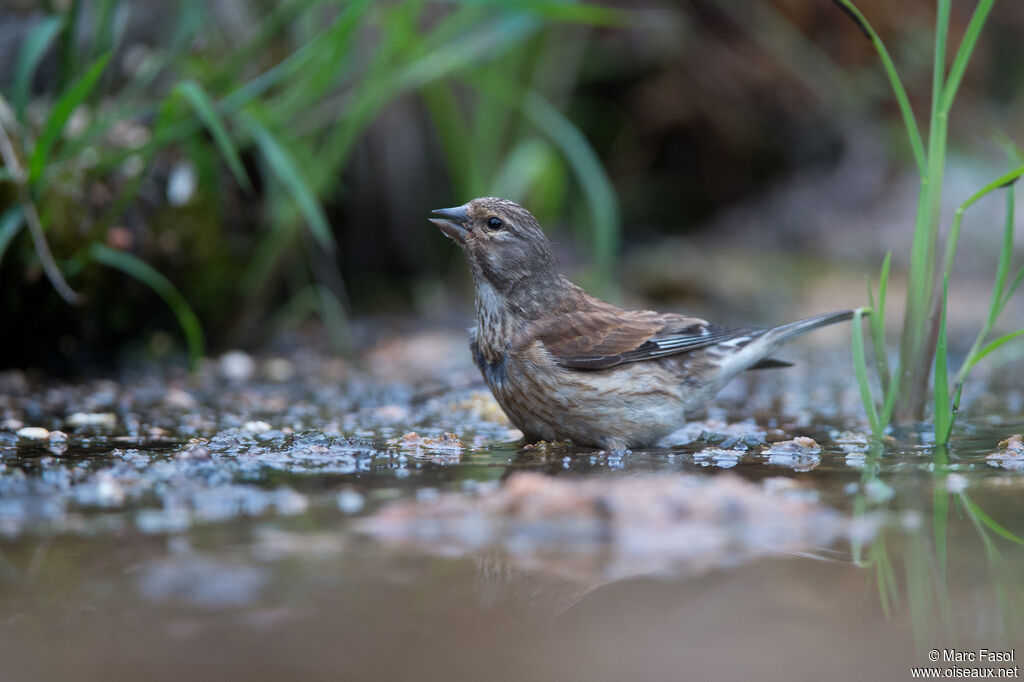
{"x": 923, "y": 353}
{"x": 273, "y": 114}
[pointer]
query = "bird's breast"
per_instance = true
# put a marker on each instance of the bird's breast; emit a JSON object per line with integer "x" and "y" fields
{"x": 492, "y": 362}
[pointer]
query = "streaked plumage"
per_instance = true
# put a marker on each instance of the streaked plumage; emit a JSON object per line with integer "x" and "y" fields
{"x": 566, "y": 365}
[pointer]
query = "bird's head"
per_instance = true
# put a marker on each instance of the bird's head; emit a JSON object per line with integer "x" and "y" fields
{"x": 505, "y": 246}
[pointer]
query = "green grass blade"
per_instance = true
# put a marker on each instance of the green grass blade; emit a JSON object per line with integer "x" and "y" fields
{"x": 282, "y": 165}
{"x": 148, "y": 275}
{"x": 1005, "y": 255}
{"x": 975, "y": 511}
{"x": 569, "y": 12}
{"x": 103, "y": 39}
{"x": 877, "y": 324}
{"x": 939, "y": 62}
{"x": 66, "y": 48}
{"x": 205, "y": 109}
{"x": 998, "y": 300}
{"x": 964, "y": 52}
{"x": 943, "y": 418}
{"x": 906, "y": 111}
{"x": 993, "y": 345}
{"x": 37, "y": 42}
{"x": 604, "y": 209}
{"x": 1005, "y": 180}
{"x": 59, "y": 115}
{"x": 10, "y": 223}
{"x": 860, "y": 368}
{"x": 1012, "y": 288}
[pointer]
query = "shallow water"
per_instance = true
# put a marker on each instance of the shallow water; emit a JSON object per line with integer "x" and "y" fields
{"x": 251, "y": 527}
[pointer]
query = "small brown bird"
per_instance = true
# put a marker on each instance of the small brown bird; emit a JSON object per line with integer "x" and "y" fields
{"x": 566, "y": 365}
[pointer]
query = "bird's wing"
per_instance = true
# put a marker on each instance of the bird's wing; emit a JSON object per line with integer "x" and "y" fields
{"x": 601, "y": 338}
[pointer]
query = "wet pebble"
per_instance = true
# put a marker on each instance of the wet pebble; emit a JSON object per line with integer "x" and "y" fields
{"x": 180, "y": 399}
{"x": 256, "y": 427}
{"x": 1010, "y": 456}
{"x": 33, "y": 433}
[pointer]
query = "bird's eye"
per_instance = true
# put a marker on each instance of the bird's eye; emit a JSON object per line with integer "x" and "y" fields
{"x": 494, "y": 223}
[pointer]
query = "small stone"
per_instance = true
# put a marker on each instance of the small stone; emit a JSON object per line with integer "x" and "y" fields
{"x": 236, "y": 365}
{"x": 33, "y": 433}
{"x": 1012, "y": 457}
{"x": 58, "y": 436}
{"x": 256, "y": 427}
{"x": 179, "y": 398}
{"x": 801, "y": 445}
{"x": 94, "y": 419}
{"x": 391, "y": 413}
{"x": 182, "y": 184}
{"x": 279, "y": 370}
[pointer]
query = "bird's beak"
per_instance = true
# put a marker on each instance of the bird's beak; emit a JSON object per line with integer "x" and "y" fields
{"x": 453, "y": 222}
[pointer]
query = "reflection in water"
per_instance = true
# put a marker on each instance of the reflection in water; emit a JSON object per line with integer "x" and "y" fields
{"x": 612, "y": 528}
{"x": 958, "y": 584}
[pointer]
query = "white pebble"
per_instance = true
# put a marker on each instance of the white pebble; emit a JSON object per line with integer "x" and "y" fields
{"x": 33, "y": 433}
{"x": 237, "y": 365}
{"x": 179, "y": 398}
{"x": 182, "y": 184}
{"x": 108, "y": 419}
{"x": 256, "y": 427}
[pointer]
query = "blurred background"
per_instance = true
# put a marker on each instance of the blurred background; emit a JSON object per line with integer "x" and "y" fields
{"x": 184, "y": 177}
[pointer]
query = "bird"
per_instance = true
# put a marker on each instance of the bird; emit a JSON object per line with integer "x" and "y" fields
{"x": 566, "y": 365}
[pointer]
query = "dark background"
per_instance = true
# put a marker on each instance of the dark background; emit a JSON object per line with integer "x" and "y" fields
{"x": 767, "y": 127}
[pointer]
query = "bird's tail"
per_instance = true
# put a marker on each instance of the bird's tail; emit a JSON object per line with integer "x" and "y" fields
{"x": 781, "y": 334}
{"x": 752, "y": 351}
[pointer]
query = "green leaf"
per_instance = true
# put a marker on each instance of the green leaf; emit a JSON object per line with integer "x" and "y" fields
{"x": 36, "y": 43}
{"x": 59, "y": 115}
{"x": 206, "y": 110}
{"x": 909, "y": 121}
{"x": 1006, "y": 338}
{"x": 1012, "y": 288}
{"x": 963, "y": 54}
{"x": 148, "y": 275}
{"x": 10, "y": 223}
{"x": 284, "y": 168}
{"x": 1005, "y": 255}
{"x": 860, "y": 368}
{"x": 593, "y": 15}
{"x": 1004, "y": 180}
{"x": 877, "y": 324}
